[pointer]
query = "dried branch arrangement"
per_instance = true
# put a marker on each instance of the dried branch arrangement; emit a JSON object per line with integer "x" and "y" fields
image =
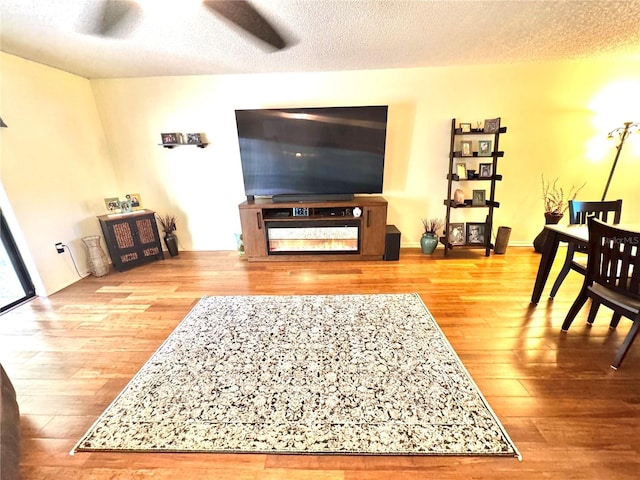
{"x": 432, "y": 225}
{"x": 554, "y": 197}
{"x": 167, "y": 222}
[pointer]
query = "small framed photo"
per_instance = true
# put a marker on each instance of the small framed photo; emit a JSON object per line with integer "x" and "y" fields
{"x": 125, "y": 206}
{"x": 461, "y": 170}
{"x": 492, "y": 125}
{"x": 112, "y": 204}
{"x": 475, "y": 234}
{"x": 134, "y": 198}
{"x": 194, "y": 138}
{"x": 466, "y": 148}
{"x": 479, "y": 198}
{"x": 456, "y": 234}
{"x": 465, "y": 127}
{"x": 484, "y": 148}
{"x": 486, "y": 170}
{"x": 168, "y": 138}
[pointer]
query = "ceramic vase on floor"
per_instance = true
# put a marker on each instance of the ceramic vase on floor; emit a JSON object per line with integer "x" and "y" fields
{"x": 428, "y": 242}
{"x": 171, "y": 241}
{"x": 97, "y": 261}
{"x": 549, "y": 219}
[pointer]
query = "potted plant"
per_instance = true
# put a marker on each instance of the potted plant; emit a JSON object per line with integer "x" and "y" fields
{"x": 429, "y": 240}
{"x": 168, "y": 224}
{"x": 556, "y": 201}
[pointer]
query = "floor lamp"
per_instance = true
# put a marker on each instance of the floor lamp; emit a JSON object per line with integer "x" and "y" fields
{"x": 623, "y": 132}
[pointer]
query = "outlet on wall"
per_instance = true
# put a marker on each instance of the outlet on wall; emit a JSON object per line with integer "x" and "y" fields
{"x": 60, "y": 247}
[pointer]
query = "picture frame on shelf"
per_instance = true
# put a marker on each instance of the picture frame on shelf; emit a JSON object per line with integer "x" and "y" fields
{"x": 475, "y": 233}
{"x": 169, "y": 138}
{"x": 194, "y": 138}
{"x": 136, "y": 201}
{"x": 461, "y": 170}
{"x": 484, "y": 148}
{"x": 486, "y": 170}
{"x": 465, "y": 127}
{"x": 479, "y": 198}
{"x": 125, "y": 206}
{"x": 456, "y": 234}
{"x": 112, "y": 204}
{"x": 492, "y": 125}
{"x": 466, "y": 147}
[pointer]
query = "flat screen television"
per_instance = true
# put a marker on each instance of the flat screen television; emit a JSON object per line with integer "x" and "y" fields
{"x": 309, "y": 154}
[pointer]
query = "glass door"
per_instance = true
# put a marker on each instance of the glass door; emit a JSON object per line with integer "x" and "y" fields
{"x": 16, "y": 284}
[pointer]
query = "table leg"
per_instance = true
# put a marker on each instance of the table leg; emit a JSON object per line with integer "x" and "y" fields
{"x": 546, "y": 261}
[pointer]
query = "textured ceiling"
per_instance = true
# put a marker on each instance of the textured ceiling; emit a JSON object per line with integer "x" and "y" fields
{"x": 183, "y": 38}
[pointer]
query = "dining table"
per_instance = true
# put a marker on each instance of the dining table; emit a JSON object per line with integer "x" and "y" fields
{"x": 577, "y": 234}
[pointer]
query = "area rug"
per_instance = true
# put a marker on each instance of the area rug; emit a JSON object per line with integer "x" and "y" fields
{"x": 339, "y": 374}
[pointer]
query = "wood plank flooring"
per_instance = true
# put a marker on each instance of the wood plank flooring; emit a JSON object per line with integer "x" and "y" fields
{"x": 571, "y": 416}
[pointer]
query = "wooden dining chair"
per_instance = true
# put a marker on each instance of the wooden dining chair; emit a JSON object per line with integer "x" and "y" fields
{"x": 579, "y": 212}
{"x": 612, "y": 279}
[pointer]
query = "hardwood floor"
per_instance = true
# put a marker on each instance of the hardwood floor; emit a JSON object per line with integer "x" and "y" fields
{"x": 571, "y": 416}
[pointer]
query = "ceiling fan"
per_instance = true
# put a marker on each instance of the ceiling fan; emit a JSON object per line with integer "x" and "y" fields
{"x": 239, "y": 12}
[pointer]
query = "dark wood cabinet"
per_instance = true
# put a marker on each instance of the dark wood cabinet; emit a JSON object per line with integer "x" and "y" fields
{"x": 329, "y": 230}
{"x": 131, "y": 238}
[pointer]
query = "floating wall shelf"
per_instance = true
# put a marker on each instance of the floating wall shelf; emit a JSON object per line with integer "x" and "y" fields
{"x": 172, "y": 145}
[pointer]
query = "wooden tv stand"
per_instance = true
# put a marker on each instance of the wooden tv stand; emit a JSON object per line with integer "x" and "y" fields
{"x": 326, "y": 230}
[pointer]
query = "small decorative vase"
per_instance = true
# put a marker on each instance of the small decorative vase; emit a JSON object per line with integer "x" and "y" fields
{"x": 239, "y": 243}
{"x": 171, "y": 241}
{"x": 428, "y": 242}
{"x": 97, "y": 261}
{"x": 540, "y": 240}
{"x": 458, "y": 197}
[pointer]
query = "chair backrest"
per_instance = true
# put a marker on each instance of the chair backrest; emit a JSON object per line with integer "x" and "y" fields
{"x": 580, "y": 211}
{"x": 614, "y": 258}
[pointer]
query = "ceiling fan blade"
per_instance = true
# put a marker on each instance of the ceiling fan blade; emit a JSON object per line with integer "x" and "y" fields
{"x": 243, "y": 14}
{"x": 112, "y": 14}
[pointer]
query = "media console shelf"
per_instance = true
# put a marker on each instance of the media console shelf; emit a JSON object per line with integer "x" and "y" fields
{"x": 327, "y": 230}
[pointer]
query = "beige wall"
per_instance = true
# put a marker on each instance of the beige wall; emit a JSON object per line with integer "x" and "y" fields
{"x": 61, "y": 156}
{"x": 554, "y": 124}
{"x": 54, "y": 167}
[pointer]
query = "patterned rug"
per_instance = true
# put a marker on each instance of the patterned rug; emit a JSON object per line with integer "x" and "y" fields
{"x": 342, "y": 374}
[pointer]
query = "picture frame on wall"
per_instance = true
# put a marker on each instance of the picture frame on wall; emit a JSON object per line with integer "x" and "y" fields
{"x": 466, "y": 147}
{"x": 479, "y": 198}
{"x": 484, "y": 148}
{"x": 456, "y": 234}
{"x": 492, "y": 125}
{"x": 461, "y": 170}
{"x": 486, "y": 170}
{"x": 475, "y": 233}
{"x": 194, "y": 138}
{"x": 169, "y": 138}
{"x": 465, "y": 127}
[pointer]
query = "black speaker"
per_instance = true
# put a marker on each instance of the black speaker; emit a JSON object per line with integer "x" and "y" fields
{"x": 392, "y": 243}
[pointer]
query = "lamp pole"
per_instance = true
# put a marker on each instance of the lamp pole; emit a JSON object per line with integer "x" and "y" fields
{"x": 624, "y": 132}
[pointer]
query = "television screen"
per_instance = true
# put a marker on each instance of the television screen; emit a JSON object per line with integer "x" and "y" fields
{"x": 312, "y": 151}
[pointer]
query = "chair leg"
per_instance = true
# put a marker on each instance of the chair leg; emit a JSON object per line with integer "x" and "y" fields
{"x": 563, "y": 272}
{"x": 575, "y": 308}
{"x": 593, "y": 311}
{"x": 614, "y": 321}
{"x": 628, "y": 340}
